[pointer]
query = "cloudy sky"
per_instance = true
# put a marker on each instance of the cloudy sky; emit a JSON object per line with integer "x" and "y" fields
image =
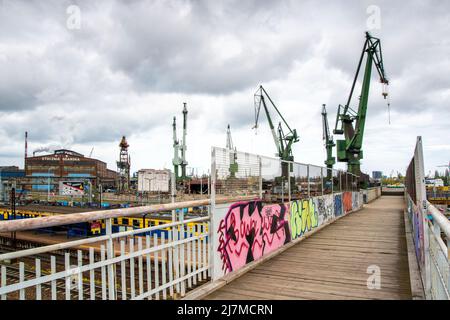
{"x": 126, "y": 67}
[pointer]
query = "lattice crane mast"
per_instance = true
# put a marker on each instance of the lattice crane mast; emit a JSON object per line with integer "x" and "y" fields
{"x": 351, "y": 122}
{"x": 329, "y": 143}
{"x": 232, "y": 153}
{"x": 283, "y": 141}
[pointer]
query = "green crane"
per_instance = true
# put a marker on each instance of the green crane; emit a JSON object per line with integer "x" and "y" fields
{"x": 350, "y": 149}
{"x": 283, "y": 142}
{"x": 233, "y": 154}
{"x": 180, "y": 147}
{"x": 329, "y": 143}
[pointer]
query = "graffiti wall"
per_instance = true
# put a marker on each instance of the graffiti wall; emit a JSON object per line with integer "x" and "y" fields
{"x": 417, "y": 223}
{"x": 338, "y": 205}
{"x": 356, "y": 200}
{"x": 247, "y": 231}
{"x": 347, "y": 202}
{"x": 304, "y": 217}
{"x": 325, "y": 208}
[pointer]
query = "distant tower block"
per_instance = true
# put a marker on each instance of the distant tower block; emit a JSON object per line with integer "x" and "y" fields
{"x": 123, "y": 166}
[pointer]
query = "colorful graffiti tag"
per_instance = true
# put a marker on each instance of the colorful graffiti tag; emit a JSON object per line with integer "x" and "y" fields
{"x": 417, "y": 222}
{"x": 250, "y": 231}
{"x": 304, "y": 217}
{"x": 337, "y": 205}
{"x": 324, "y": 207}
{"x": 356, "y": 200}
{"x": 347, "y": 201}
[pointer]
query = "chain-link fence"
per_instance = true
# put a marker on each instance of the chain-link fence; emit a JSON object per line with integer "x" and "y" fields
{"x": 274, "y": 180}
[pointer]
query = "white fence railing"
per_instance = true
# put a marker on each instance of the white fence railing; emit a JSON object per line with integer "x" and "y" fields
{"x": 431, "y": 231}
{"x": 158, "y": 262}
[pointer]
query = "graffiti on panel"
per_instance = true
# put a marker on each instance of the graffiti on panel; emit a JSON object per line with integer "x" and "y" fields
{"x": 337, "y": 205}
{"x": 304, "y": 217}
{"x": 325, "y": 208}
{"x": 355, "y": 200}
{"x": 418, "y": 234}
{"x": 250, "y": 230}
{"x": 347, "y": 201}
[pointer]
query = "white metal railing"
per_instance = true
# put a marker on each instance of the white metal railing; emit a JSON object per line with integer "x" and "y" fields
{"x": 125, "y": 265}
{"x": 155, "y": 262}
{"x": 431, "y": 231}
{"x": 438, "y": 227}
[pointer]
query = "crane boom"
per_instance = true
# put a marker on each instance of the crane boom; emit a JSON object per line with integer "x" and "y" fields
{"x": 351, "y": 122}
{"x": 328, "y": 139}
{"x": 283, "y": 142}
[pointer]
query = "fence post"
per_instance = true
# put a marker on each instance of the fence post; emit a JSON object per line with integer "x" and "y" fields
{"x": 289, "y": 181}
{"x": 212, "y": 206}
{"x": 307, "y": 175}
{"x": 321, "y": 178}
{"x": 332, "y": 180}
{"x": 110, "y": 255}
{"x": 260, "y": 177}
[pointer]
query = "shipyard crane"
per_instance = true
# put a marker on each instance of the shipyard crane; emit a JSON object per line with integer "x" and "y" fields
{"x": 283, "y": 141}
{"x": 232, "y": 152}
{"x": 351, "y": 122}
{"x": 329, "y": 143}
{"x": 176, "y": 161}
{"x": 183, "y": 148}
{"x": 180, "y": 161}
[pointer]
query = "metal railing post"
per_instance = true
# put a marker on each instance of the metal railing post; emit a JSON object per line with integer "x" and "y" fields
{"x": 321, "y": 178}
{"x": 260, "y": 178}
{"x": 307, "y": 175}
{"x": 289, "y": 182}
{"x": 212, "y": 207}
{"x": 110, "y": 255}
{"x": 332, "y": 180}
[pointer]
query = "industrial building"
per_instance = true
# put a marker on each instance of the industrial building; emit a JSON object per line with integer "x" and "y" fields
{"x": 8, "y": 174}
{"x": 377, "y": 175}
{"x": 67, "y": 165}
{"x": 151, "y": 180}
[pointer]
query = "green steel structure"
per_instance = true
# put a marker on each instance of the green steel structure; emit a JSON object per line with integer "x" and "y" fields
{"x": 351, "y": 122}
{"x": 329, "y": 143}
{"x": 233, "y": 154}
{"x": 283, "y": 142}
{"x": 180, "y": 147}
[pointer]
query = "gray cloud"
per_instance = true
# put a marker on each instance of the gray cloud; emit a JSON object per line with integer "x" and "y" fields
{"x": 133, "y": 63}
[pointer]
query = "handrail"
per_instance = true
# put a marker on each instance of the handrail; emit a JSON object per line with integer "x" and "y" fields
{"x": 64, "y": 219}
{"x": 441, "y": 220}
{"x": 81, "y": 242}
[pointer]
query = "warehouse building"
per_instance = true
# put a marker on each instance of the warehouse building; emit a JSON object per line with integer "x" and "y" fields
{"x": 47, "y": 171}
{"x": 8, "y": 174}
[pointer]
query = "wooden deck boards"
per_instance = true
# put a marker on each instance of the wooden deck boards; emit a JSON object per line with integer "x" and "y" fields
{"x": 332, "y": 264}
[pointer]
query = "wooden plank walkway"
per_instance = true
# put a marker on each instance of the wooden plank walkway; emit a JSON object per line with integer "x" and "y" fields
{"x": 332, "y": 264}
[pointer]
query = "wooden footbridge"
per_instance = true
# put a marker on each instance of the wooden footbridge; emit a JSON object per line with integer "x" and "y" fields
{"x": 336, "y": 262}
